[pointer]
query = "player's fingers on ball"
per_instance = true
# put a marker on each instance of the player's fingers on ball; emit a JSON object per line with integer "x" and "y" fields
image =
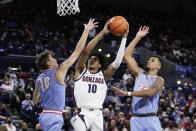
{"x": 110, "y": 20}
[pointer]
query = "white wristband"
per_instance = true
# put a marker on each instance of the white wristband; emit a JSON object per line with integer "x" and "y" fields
{"x": 129, "y": 93}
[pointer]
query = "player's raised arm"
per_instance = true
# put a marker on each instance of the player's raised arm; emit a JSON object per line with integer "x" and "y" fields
{"x": 129, "y": 60}
{"x": 154, "y": 89}
{"x": 62, "y": 70}
{"x": 91, "y": 45}
{"x": 114, "y": 65}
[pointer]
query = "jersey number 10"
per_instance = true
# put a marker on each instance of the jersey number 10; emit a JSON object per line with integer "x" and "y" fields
{"x": 45, "y": 83}
{"x": 92, "y": 88}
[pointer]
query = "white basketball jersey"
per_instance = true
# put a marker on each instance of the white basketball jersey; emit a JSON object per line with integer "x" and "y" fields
{"x": 90, "y": 90}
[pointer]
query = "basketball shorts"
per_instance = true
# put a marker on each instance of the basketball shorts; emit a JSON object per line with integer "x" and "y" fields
{"x": 145, "y": 124}
{"x": 88, "y": 120}
{"x": 51, "y": 122}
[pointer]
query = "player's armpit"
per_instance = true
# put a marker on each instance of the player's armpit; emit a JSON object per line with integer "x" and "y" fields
{"x": 61, "y": 71}
{"x": 81, "y": 64}
{"x": 132, "y": 65}
{"x": 158, "y": 85}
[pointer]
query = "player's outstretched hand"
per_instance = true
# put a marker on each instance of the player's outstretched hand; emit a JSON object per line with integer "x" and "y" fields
{"x": 91, "y": 24}
{"x": 126, "y": 33}
{"x": 143, "y": 31}
{"x": 105, "y": 29}
{"x": 120, "y": 92}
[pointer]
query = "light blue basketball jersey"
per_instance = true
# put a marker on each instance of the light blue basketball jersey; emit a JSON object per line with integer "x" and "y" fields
{"x": 145, "y": 105}
{"x": 52, "y": 92}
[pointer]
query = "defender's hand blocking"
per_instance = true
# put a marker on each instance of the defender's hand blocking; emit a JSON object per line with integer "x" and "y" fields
{"x": 91, "y": 24}
{"x": 126, "y": 33}
{"x": 120, "y": 92}
{"x": 143, "y": 31}
{"x": 105, "y": 29}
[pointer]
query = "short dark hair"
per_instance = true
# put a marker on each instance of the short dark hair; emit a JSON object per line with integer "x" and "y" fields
{"x": 102, "y": 59}
{"x": 42, "y": 59}
{"x": 160, "y": 61}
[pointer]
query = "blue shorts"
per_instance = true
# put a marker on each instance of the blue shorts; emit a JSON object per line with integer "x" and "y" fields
{"x": 145, "y": 124}
{"x": 51, "y": 122}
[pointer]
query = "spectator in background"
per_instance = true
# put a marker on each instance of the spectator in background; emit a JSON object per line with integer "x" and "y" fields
{"x": 181, "y": 101}
{"x": 129, "y": 85}
{"x": 27, "y": 108}
{"x": 176, "y": 116}
{"x": 12, "y": 75}
{"x": 67, "y": 116}
{"x": 106, "y": 115}
{"x": 178, "y": 92}
{"x": 29, "y": 88}
{"x": 180, "y": 127}
{"x": 111, "y": 109}
{"x": 117, "y": 108}
{"x": 3, "y": 110}
{"x": 194, "y": 125}
{"x": 120, "y": 119}
{"x": 112, "y": 126}
{"x": 4, "y": 96}
{"x": 126, "y": 107}
{"x": 126, "y": 75}
{"x": 17, "y": 97}
{"x": 32, "y": 75}
{"x": 24, "y": 126}
{"x": 2, "y": 119}
{"x": 187, "y": 123}
{"x": 20, "y": 82}
{"x": 37, "y": 127}
{"x": 3, "y": 128}
{"x": 170, "y": 126}
{"x": 7, "y": 84}
{"x": 9, "y": 125}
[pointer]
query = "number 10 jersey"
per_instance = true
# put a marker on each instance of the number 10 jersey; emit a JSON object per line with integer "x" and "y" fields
{"x": 90, "y": 90}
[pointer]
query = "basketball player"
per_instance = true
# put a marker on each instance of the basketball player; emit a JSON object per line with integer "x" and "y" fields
{"x": 50, "y": 83}
{"x": 147, "y": 89}
{"x": 90, "y": 84}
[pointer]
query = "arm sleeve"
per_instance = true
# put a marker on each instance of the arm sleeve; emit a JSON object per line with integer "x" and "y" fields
{"x": 120, "y": 54}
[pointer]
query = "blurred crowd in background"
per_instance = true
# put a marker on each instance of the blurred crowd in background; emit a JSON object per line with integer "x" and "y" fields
{"x": 30, "y": 27}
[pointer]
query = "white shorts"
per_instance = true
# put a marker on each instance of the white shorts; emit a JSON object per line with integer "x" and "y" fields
{"x": 88, "y": 120}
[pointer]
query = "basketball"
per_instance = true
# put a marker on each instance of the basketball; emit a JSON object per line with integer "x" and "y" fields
{"x": 118, "y": 25}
